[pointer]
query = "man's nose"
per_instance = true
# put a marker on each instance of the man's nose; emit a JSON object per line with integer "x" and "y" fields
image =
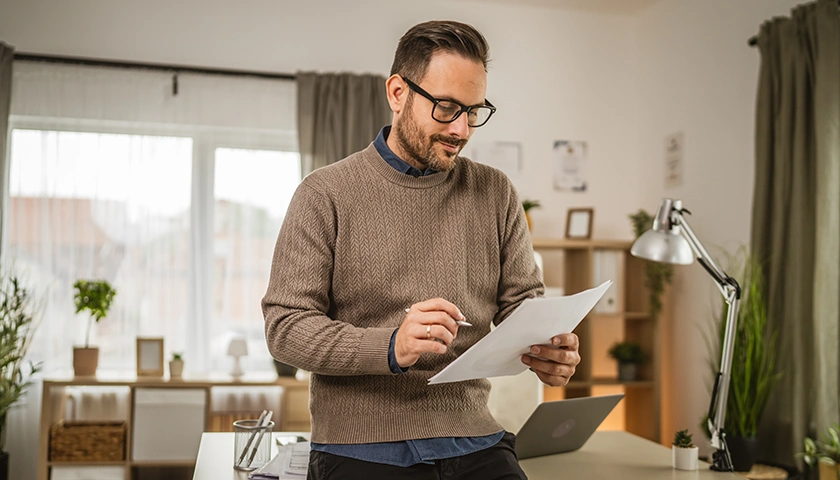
{"x": 459, "y": 127}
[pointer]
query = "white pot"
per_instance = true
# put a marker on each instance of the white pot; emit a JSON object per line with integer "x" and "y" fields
{"x": 176, "y": 368}
{"x": 684, "y": 458}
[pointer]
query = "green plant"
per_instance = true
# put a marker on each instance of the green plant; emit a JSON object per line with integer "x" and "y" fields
{"x": 682, "y": 439}
{"x": 177, "y": 356}
{"x": 754, "y": 373}
{"x": 529, "y": 204}
{"x": 657, "y": 275}
{"x": 17, "y": 326}
{"x": 826, "y": 450}
{"x": 95, "y": 296}
{"x": 627, "y": 352}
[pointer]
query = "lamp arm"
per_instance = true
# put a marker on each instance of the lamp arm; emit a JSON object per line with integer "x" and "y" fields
{"x": 731, "y": 292}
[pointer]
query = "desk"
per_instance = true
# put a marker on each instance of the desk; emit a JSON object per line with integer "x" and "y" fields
{"x": 606, "y": 455}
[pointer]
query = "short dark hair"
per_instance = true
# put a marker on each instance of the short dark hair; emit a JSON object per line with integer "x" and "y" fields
{"x": 420, "y": 42}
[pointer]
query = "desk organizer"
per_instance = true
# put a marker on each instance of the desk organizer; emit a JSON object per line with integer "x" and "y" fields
{"x": 87, "y": 441}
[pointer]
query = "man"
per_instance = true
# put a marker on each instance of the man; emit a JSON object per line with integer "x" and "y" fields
{"x": 382, "y": 254}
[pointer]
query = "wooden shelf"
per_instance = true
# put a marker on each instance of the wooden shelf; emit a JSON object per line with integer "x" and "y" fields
{"x": 86, "y": 463}
{"x": 577, "y": 265}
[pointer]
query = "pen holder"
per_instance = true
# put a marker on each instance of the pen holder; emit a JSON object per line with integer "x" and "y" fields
{"x": 251, "y": 444}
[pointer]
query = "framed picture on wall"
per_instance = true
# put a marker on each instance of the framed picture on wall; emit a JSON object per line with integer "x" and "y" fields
{"x": 149, "y": 357}
{"x": 579, "y": 223}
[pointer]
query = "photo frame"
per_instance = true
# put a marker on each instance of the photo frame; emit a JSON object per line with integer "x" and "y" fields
{"x": 579, "y": 223}
{"x": 149, "y": 357}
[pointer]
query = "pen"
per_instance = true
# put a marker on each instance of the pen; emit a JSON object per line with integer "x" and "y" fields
{"x": 459, "y": 322}
{"x": 251, "y": 438}
{"x": 265, "y": 423}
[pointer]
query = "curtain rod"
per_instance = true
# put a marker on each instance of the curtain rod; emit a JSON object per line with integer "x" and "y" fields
{"x": 27, "y": 57}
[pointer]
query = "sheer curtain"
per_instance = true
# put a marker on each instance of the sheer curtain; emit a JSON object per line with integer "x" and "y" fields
{"x": 338, "y": 114}
{"x": 795, "y": 228}
{"x": 175, "y": 199}
{"x": 6, "y": 55}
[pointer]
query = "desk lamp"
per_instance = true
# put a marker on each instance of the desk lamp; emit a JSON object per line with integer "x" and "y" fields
{"x": 671, "y": 240}
{"x": 237, "y": 348}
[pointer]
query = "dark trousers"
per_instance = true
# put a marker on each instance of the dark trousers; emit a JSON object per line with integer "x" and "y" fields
{"x": 498, "y": 462}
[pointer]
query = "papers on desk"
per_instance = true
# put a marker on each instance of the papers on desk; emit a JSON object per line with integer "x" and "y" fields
{"x": 534, "y": 322}
{"x": 290, "y": 463}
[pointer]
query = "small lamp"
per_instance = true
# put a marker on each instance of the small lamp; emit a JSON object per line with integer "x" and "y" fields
{"x": 671, "y": 240}
{"x": 237, "y": 348}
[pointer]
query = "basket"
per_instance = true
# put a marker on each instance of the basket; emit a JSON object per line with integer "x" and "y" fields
{"x": 87, "y": 441}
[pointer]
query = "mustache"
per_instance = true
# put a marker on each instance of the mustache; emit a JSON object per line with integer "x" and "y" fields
{"x": 458, "y": 142}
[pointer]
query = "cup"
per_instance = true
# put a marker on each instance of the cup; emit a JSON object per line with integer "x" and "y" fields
{"x": 251, "y": 444}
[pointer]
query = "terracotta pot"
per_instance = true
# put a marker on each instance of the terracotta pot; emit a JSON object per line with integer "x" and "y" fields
{"x": 85, "y": 361}
{"x": 528, "y": 219}
{"x": 684, "y": 458}
{"x": 176, "y": 368}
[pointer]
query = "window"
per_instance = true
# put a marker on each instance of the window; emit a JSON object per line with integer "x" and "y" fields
{"x": 129, "y": 208}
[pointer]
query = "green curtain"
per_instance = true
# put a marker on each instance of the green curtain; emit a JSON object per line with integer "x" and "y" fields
{"x": 338, "y": 114}
{"x": 796, "y": 218}
{"x": 7, "y": 54}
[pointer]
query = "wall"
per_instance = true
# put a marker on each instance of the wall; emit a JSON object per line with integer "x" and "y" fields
{"x": 697, "y": 75}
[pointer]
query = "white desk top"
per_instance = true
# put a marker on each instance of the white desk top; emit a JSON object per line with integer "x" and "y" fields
{"x": 606, "y": 455}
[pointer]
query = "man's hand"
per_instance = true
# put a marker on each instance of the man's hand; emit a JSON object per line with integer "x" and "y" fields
{"x": 428, "y": 326}
{"x": 556, "y": 363}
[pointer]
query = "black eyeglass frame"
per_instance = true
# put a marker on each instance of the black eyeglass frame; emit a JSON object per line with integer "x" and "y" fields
{"x": 463, "y": 108}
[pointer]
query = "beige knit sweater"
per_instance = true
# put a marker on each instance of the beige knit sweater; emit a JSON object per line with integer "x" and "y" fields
{"x": 360, "y": 243}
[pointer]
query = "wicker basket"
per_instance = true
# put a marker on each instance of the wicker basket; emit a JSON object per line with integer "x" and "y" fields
{"x": 87, "y": 441}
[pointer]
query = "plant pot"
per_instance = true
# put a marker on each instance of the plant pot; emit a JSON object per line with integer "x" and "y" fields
{"x": 829, "y": 472}
{"x": 743, "y": 451}
{"x": 85, "y": 361}
{"x": 684, "y": 458}
{"x": 528, "y": 219}
{"x": 627, "y": 372}
{"x": 284, "y": 370}
{"x": 4, "y": 465}
{"x": 176, "y": 368}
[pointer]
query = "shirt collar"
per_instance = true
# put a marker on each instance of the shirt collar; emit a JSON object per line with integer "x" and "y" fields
{"x": 392, "y": 159}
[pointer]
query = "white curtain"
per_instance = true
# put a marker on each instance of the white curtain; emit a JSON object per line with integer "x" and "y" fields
{"x": 176, "y": 200}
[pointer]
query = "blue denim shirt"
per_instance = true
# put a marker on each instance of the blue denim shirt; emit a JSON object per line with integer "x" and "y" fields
{"x": 408, "y": 452}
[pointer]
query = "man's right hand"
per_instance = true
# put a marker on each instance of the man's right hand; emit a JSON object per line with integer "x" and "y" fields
{"x": 429, "y": 326}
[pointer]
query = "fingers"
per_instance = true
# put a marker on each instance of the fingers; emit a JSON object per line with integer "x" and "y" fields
{"x": 428, "y": 327}
{"x": 553, "y": 365}
{"x": 566, "y": 340}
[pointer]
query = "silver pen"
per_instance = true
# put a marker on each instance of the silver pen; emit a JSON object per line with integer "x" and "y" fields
{"x": 459, "y": 322}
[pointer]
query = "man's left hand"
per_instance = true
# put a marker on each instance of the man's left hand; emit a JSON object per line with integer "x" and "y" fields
{"x": 555, "y": 364}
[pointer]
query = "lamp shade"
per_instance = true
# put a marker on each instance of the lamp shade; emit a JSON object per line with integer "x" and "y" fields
{"x": 237, "y": 347}
{"x": 665, "y": 247}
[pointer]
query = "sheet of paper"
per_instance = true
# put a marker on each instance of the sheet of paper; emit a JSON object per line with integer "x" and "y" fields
{"x": 290, "y": 463}
{"x": 534, "y": 322}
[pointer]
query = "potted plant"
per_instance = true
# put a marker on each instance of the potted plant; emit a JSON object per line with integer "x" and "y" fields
{"x": 683, "y": 451}
{"x": 657, "y": 275}
{"x": 527, "y": 205}
{"x": 628, "y": 355}
{"x": 96, "y": 297}
{"x": 824, "y": 454}
{"x": 754, "y": 374}
{"x": 17, "y": 326}
{"x": 176, "y": 365}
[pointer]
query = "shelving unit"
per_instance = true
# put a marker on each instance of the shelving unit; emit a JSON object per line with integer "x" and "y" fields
{"x": 291, "y": 415}
{"x": 576, "y": 265}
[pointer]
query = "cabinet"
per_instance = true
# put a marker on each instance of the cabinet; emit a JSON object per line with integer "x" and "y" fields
{"x": 147, "y": 417}
{"x": 576, "y": 265}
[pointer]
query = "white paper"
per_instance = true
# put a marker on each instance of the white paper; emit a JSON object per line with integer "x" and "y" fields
{"x": 534, "y": 322}
{"x": 290, "y": 463}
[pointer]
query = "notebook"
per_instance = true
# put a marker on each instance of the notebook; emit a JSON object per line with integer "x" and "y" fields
{"x": 563, "y": 425}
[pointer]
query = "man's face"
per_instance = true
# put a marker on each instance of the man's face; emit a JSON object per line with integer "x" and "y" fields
{"x": 421, "y": 140}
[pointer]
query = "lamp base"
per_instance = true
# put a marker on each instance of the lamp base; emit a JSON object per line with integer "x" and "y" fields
{"x": 720, "y": 459}
{"x": 237, "y": 367}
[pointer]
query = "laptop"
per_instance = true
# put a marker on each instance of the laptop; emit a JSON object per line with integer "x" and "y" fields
{"x": 563, "y": 425}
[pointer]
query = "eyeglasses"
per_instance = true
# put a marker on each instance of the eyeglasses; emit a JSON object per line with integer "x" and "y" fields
{"x": 447, "y": 111}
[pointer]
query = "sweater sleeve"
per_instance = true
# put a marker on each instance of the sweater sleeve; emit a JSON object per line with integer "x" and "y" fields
{"x": 298, "y": 329}
{"x": 519, "y": 274}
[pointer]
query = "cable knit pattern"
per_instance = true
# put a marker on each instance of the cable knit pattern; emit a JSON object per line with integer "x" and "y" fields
{"x": 360, "y": 243}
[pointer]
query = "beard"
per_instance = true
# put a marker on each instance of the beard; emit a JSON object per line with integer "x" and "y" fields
{"x": 421, "y": 149}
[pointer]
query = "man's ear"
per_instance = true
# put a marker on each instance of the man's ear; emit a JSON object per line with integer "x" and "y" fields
{"x": 397, "y": 92}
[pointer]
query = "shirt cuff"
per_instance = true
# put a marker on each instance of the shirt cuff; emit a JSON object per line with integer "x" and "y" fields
{"x": 392, "y": 356}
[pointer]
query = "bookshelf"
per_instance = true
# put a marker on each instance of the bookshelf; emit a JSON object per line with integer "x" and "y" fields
{"x": 622, "y": 314}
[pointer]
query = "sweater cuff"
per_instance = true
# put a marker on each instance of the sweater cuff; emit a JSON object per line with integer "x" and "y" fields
{"x": 373, "y": 352}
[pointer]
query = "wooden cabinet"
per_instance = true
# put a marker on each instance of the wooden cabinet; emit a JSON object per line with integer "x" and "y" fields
{"x": 291, "y": 415}
{"x": 622, "y": 314}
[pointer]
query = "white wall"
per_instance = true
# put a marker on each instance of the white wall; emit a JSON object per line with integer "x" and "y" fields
{"x": 621, "y": 83}
{"x": 697, "y": 75}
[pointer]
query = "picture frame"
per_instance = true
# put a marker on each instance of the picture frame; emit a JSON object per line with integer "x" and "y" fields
{"x": 149, "y": 357}
{"x": 579, "y": 223}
